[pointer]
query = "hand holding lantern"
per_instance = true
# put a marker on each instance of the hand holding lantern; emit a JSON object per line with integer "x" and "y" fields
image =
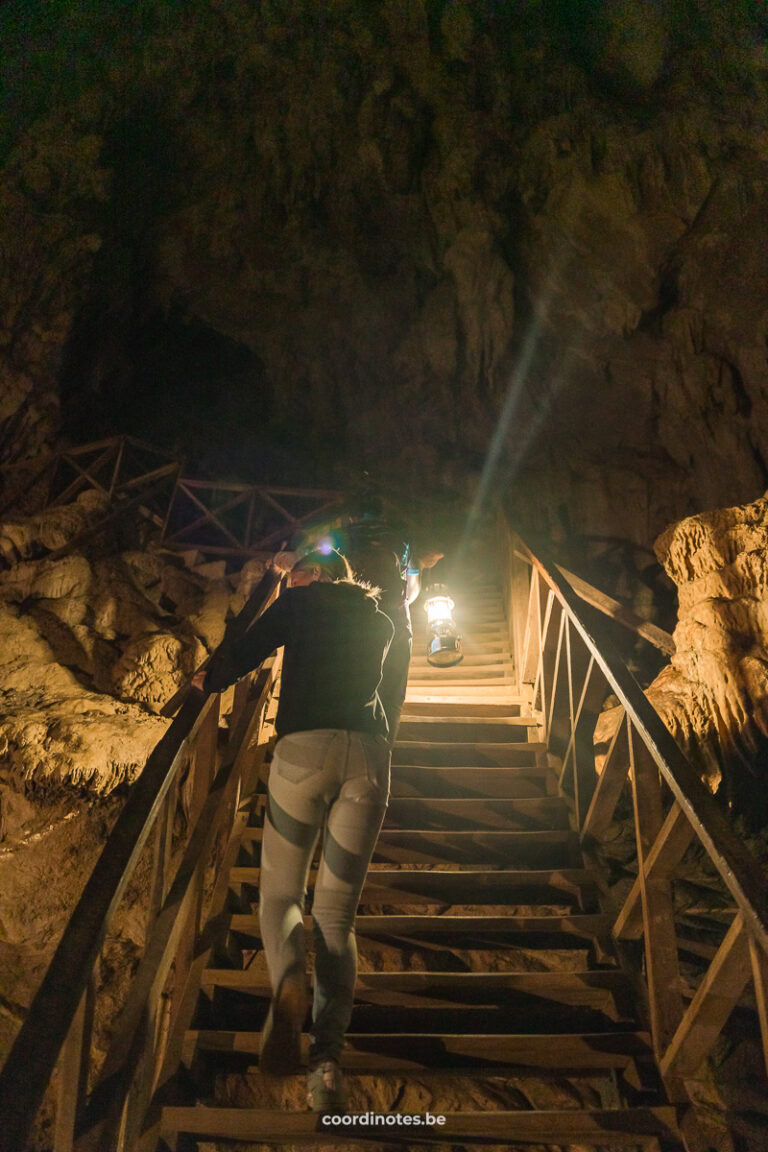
{"x": 444, "y": 647}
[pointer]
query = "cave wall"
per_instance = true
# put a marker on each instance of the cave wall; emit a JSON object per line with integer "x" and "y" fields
{"x": 305, "y": 239}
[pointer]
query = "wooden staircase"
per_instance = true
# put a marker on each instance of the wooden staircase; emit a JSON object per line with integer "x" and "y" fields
{"x": 488, "y": 992}
{"x": 507, "y": 986}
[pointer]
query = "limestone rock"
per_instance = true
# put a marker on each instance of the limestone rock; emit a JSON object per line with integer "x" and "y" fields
{"x": 713, "y": 696}
{"x": 23, "y": 536}
{"x": 90, "y": 651}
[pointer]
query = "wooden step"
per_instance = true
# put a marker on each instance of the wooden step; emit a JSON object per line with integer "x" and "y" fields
{"x": 471, "y": 660}
{"x": 467, "y": 754}
{"x": 559, "y": 1054}
{"x": 491, "y": 673}
{"x": 550, "y": 849}
{"x": 626, "y": 1127}
{"x": 543, "y": 931}
{"x": 460, "y": 730}
{"x": 544, "y": 886}
{"x": 535, "y": 849}
{"x": 488, "y": 694}
{"x": 539, "y": 812}
{"x": 608, "y": 992}
{"x": 445, "y": 781}
{"x": 448, "y": 709}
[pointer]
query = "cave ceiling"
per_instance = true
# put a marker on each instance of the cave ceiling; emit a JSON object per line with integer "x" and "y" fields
{"x": 299, "y": 240}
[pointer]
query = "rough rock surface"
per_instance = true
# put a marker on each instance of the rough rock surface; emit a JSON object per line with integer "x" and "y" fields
{"x": 713, "y": 696}
{"x": 292, "y": 243}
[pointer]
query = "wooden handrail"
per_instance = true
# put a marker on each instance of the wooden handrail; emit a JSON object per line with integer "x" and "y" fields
{"x": 570, "y": 666}
{"x": 70, "y": 975}
{"x": 606, "y": 604}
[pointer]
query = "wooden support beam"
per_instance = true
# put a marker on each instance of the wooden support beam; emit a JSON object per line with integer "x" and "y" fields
{"x": 530, "y": 661}
{"x": 279, "y": 533}
{"x": 759, "y": 961}
{"x": 715, "y": 999}
{"x": 519, "y": 591}
{"x": 583, "y": 717}
{"x": 73, "y": 1080}
{"x": 619, "y": 612}
{"x": 557, "y": 720}
{"x": 208, "y": 517}
{"x": 661, "y": 963}
{"x": 668, "y": 850}
{"x": 548, "y": 648}
{"x": 84, "y": 475}
{"x": 610, "y": 782}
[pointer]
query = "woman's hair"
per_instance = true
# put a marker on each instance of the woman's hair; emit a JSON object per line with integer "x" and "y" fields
{"x": 377, "y": 567}
{"x": 333, "y": 566}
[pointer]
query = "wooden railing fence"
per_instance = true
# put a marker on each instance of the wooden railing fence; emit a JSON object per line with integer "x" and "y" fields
{"x": 188, "y": 783}
{"x": 571, "y": 672}
{"x": 214, "y": 517}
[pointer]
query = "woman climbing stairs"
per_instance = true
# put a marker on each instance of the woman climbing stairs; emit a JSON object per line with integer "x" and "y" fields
{"x": 488, "y": 996}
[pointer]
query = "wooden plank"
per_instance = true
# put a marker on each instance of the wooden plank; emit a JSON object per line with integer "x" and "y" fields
{"x": 668, "y": 849}
{"x": 584, "y": 711}
{"x": 759, "y": 961}
{"x": 155, "y": 474}
{"x": 531, "y": 650}
{"x": 415, "y": 846}
{"x": 610, "y": 782}
{"x": 413, "y": 780}
{"x": 661, "y": 963}
{"x": 516, "y": 730}
{"x": 519, "y": 592}
{"x": 73, "y": 1079}
{"x": 369, "y": 1053}
{"x": 619, "y": 612}
{"x": 584, "y": 926}
{"x": 597, "y": 990}
{"x": 84, "y": 474}
{"x": 207, "y": 517}
{"x": 461, "y": 885}
{"x": 538, "y": 812}
{"x": 557, "y": 718}
{"x": 715, "y": 999}
{"x": 280, "y": 533}
{"x": 620, "y": 1127}
{"x": 423, "y": 753}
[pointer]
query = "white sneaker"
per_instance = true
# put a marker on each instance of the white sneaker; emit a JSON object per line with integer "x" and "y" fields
{"x": 326, "y": 1088}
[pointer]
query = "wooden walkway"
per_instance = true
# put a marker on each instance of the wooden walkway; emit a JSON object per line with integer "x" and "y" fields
{"x": 484, "y": 953}
{"x": 501, "y": 985}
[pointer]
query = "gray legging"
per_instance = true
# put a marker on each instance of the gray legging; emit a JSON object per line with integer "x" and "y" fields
{"x": 338, "y": 779}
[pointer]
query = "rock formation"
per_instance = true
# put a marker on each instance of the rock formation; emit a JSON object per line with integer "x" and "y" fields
{"x": 713, "y": 696}
{"x": 326, "y": 242}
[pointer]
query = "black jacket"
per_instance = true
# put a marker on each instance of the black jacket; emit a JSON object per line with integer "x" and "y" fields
{"x": 335, "y": 640}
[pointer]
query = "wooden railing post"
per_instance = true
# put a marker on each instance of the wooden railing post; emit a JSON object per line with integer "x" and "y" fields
{"x": 585, "y": 679}
{"x": 610, "y": 782}
{"x": 517, "y": 610}
{"x": 759, "y": 961}
{"x": 710, "y": 1008}
{"x": 74, "y": 1064}
{"x": 661, "y": 964}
